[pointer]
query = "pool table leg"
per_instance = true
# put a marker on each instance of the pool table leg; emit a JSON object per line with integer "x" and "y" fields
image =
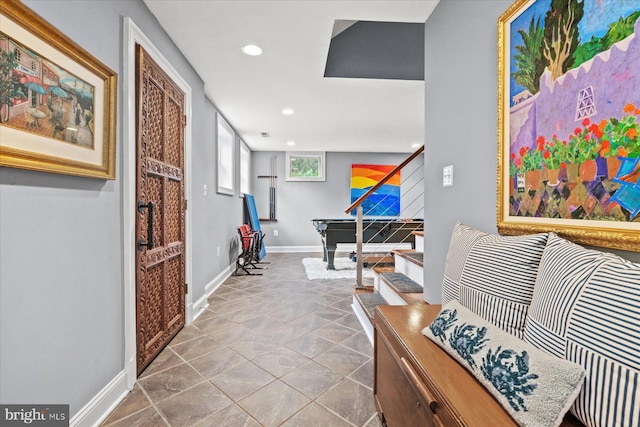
{"x": 331, "y": 252}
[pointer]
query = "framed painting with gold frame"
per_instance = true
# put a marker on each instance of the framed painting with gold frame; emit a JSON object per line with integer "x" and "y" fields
{"x": 568, "y": 121}
{"x": 58, "y": 102}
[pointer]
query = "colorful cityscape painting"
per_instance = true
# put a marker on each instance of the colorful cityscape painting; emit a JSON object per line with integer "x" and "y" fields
{"x": 385, "y": 201}
{"x": 38, "y": 96}
{"x": 574, "y": 111}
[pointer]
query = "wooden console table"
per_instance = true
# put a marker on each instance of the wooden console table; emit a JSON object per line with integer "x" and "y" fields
{"x": 416, "y": 383}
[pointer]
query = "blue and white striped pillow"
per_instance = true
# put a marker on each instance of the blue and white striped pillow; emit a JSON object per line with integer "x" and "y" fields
{"x": 492, "y": 275}
{"x": 585, "y": 308}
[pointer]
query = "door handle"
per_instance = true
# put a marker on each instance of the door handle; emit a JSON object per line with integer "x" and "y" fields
{"x": 150, "y": 208}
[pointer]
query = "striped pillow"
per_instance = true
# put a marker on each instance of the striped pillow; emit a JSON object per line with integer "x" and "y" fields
{"x": 585, "y": 308}
{"x": 492, "y": 275}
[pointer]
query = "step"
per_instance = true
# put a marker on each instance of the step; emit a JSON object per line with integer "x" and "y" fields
{"x": 410, "y": 263}
{"x": 399, "y": 289}
{"x": 412, "y": 256}
{"x": 369, "y": 301}
{"x": 364, "y": 306}
{"x": 370, "y": 260}
{"x": 419, "y": 240}
{"x": 387, "y": 292}
{"x": 401, "y": 282}
{"x": 385, "y": 269}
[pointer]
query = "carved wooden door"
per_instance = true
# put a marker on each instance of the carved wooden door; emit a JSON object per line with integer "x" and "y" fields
{"x": 160, "y": 224}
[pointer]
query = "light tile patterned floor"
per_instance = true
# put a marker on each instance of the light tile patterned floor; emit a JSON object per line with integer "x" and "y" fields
{"x": 270, "y": 350}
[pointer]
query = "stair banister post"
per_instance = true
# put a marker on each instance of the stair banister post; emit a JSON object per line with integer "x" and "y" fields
{"x": 359, "y": 233}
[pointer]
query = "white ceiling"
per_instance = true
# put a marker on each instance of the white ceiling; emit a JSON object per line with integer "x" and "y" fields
{"x": 331, "y": 114}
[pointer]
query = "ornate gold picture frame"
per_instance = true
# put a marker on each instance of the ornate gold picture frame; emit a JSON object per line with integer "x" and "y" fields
{"x": 57, "y": 101}
{"x": 568, "y": 121}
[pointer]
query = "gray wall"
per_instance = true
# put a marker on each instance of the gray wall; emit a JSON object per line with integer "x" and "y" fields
{"x": 460, "y": 127}
{"x": 299, "y": 202}
{"x": 61, "y": 267}
{"x": 215, "y": 216}
{"x": 61, "y": 257}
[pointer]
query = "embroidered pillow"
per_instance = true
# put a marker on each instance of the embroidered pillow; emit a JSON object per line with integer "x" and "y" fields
{"x": 585, "y": 308}
{"x": 534, "y": 387}
{"x": 492, "y": 275}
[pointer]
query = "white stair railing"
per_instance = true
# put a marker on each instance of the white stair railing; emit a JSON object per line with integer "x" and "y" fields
{"x": 411, "y": 197}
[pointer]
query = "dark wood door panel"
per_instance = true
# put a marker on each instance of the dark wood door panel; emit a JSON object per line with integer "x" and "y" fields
{"x": 160, "y": 281}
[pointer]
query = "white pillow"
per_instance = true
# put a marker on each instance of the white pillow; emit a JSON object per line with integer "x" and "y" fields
{"x": 536, "y": 388}
{"x": 492, "y": 275}
{"x": 586, "y": 308}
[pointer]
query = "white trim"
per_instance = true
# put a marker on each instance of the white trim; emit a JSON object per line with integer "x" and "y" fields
{"x": 419, "y": 243}
{"x": 363, "y": 319}
{"x": 293, "y": 249}
{"x": 244, "y": 169}
{"x": 203, "y": 302}
{"x": 133, "y": 35}
{"x": 218, "y": 280}
{"x": 409, "y": 269}
{"x": 226, "y": 155}
{"x": 320, "y": 156}
{"x": 373, "y": 247}
{"x": 389, "y": 294}
{"x": 99, "y": 408}
{"x": 199, "y": 306}
{"x": 341, "y": 247}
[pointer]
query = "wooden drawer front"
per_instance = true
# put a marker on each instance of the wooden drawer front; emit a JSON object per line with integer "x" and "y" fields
{"x": 399, "y": 403}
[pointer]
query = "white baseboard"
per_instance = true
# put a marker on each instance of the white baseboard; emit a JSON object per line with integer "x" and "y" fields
{"x": 99, "y": 408}
{"x": 202, "y": 303}
{"x": 342, "y": 247}
{"x": 200, "y": 306}
{"x": 373, "y": 247}
{"x": 293, "y": 249}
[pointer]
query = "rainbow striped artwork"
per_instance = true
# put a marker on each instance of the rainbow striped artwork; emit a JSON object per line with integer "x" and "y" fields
{"x": 385, "y": 201}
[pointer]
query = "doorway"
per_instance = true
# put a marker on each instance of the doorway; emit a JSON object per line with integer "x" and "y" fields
{"x": 160, "y": 208}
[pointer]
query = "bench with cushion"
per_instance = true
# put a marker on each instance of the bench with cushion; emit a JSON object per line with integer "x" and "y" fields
{"x": 531, "y": 327}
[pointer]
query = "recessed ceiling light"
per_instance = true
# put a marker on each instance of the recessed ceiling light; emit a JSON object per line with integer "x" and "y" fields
{"x": 252, "y": 50}
{"x": 291, "y": 143}
{"x": 287, "y": 111}
{"x": 415, "y": 145}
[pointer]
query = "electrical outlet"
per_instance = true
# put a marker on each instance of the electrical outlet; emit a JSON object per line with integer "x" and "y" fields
{"x": 275, "y": 233}
{"x": 447, "y": 176}
{"x": 205, "y": 189}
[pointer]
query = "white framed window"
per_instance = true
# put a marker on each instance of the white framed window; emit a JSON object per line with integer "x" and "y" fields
{"x": 245, "y": 168}
{"x": 225, "y": 140}
{"x": 306, "y": 166}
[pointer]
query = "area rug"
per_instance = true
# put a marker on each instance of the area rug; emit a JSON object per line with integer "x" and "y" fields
{"x": 345, "y": 269}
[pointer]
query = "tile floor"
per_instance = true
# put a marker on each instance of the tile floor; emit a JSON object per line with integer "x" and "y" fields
{"x": 271, "y": 350}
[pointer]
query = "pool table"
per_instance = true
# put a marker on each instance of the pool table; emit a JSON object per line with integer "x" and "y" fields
{"x": 334, "y": 231}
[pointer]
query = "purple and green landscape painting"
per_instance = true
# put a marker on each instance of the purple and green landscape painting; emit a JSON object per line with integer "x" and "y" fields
{"x": 574, "y": 86}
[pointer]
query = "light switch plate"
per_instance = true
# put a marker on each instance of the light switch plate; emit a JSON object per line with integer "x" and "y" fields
{"x": 447, "y": 176}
